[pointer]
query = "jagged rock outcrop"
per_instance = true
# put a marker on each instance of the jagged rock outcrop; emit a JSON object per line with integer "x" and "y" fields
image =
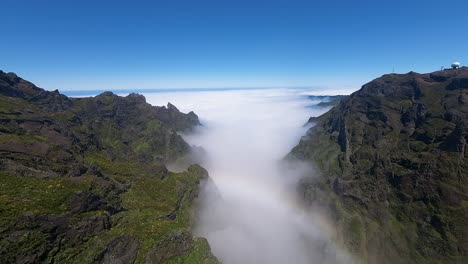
{"x": 393, "y": 165}
{"x": 120, "y": 250}
{"x": 327, "y": 100}
{"x": 84, "y": 180}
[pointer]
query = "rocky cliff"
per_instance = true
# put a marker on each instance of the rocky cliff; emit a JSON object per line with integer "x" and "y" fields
{"x": 393, "y": 168}
{"x": 83, "y": 180}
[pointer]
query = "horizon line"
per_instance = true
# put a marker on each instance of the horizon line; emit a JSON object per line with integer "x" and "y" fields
{"x": 75, "y": 92}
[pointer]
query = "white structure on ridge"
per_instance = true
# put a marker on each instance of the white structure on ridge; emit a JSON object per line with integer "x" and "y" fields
{"x": 455, "y": 65}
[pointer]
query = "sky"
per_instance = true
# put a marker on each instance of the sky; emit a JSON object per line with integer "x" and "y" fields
{"x": 111, "y": 45}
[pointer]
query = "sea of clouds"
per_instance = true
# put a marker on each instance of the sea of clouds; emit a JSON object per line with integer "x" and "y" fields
{"x": 250, "y": 212}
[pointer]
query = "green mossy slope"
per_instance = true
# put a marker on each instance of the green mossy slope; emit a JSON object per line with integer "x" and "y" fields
{"x": 84, "y": 180}
{"x": 393, "y": 165}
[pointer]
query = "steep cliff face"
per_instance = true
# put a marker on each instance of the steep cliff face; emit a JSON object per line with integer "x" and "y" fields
{"x": 83, "y": 180}
{"x": 393, "y": 166}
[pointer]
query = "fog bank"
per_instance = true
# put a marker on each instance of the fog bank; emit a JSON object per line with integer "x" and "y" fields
{"x": 251, "y": 212}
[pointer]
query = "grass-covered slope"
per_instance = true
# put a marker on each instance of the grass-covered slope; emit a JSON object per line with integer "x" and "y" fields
{"x": 393, "y": 165}
{"x": 83, "y": 180}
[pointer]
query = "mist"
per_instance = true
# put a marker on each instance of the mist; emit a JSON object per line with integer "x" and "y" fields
{"x": 251, "y": 212}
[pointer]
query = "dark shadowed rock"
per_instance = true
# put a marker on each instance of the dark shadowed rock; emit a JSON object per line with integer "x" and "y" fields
{"x": 176, "y": 244}
{"x": 172, "y": 116}
{"x": 121, "y": 250}
{"x": 80, "y": 232}
{"x": 33, "y": 238}
{"x": 87, "y": 201}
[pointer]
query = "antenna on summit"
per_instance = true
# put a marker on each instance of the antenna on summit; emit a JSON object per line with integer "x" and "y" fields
{"x": 455, "y": 65}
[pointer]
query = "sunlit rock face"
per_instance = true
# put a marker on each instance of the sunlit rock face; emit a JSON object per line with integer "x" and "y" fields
{"x": 393, "y": 162}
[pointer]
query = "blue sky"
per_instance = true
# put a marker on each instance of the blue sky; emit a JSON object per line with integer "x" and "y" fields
{"x": 203, "y": 44}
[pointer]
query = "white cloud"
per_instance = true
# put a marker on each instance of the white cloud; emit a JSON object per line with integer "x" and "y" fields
{"x": 254, "y": 215}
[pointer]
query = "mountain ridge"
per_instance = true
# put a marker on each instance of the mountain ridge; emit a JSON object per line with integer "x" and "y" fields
{"x": 84, "y": 180}
{"x": 393, "y": 168}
